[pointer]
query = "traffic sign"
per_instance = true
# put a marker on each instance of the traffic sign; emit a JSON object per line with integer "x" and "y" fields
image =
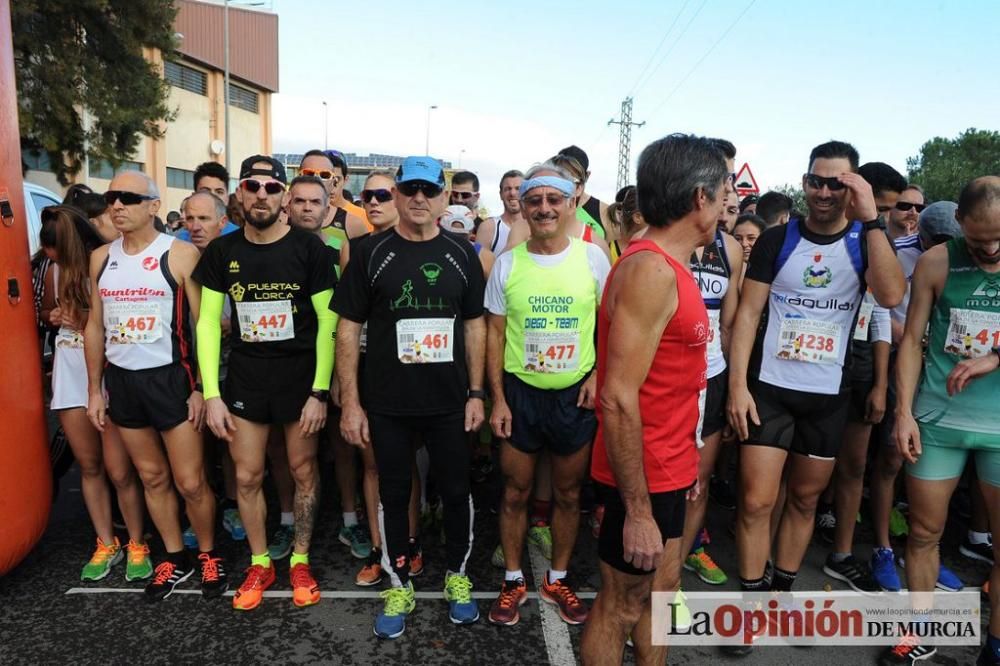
{"x": 746, "y": 184}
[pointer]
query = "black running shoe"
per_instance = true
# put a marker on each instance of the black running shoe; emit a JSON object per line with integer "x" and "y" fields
{"x": 907, "y": 652}
{"x": 852, "y": 571}
{"x": 826, "y": 522}
{"x": 167, "y": 576}
{"x": 214, "y": 581}
{"x": 977, "y": 551}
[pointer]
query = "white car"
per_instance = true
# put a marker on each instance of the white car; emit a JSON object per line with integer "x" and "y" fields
{"x": 36, "y": 198}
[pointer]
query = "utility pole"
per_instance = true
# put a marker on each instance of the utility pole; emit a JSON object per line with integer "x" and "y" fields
{"x": 625, "y": 140}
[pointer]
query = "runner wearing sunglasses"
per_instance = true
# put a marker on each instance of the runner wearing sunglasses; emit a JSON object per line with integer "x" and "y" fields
{"x": 420, "y": 289}
{"x": 279, "y": 280}
{"x": 902, "y": 217}
{"x": 465, "y": 192}
{"x": 138, "y": 349}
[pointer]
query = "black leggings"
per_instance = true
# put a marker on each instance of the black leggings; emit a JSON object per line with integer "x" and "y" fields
{"x": 445, "y": 437}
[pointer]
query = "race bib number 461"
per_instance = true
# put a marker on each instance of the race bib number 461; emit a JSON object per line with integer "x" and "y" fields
{"x": 430, "y": 340}
{"x": 265, "y": 321}
{"x": 809, "y": 340}
{"x": 132, "y": 323}
{"x": 972, "y": 333}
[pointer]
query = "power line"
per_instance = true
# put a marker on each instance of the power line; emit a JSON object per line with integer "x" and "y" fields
{"x": 673, "y": 45}
{"x": 659, "y": 46}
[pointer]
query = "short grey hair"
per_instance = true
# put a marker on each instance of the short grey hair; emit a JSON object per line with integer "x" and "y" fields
{"x": 151, "y": 189}
{"x": 549, "y": 165}
{"x": 220, "y": 205}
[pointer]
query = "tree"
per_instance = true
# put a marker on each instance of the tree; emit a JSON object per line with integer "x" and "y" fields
{"x": 796, "y": 194}
{"x": 71, "y": 54}
{"x": 944, "y": 166}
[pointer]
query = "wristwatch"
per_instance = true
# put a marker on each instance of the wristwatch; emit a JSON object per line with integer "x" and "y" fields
{"x": 477, "y": 393}
{"x": 877, "y": 223}
{"x": 320, "y": 394}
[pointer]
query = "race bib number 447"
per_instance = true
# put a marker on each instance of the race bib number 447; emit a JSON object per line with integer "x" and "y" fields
{"x": 430, "y": 340}
{"x": 265, "y": 321}
{"x": 132, "y": 323}
{"x": 972, "y": 333}
{"x": 809, "y": 340}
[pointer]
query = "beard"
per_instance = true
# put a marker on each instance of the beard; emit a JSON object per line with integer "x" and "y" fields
{"x": 825, "y": 215}
{"x": 982, "y": 258}
{"x": 252, "y": 218}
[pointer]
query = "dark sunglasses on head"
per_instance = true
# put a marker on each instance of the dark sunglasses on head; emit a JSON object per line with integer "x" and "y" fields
{"x": 817, "y": 182}
{"x": 380, "y": 195}
{"x": 127, "y": 198}
{"x": 271, "y": 186}
{"x": 322, "y": 174}
{"x": 411, "y": 187}
{"x": 463, "y": 195}
{"x": 905, "y": 206}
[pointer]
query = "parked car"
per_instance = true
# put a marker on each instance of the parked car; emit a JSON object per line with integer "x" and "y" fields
{"x": 36, "y": 198}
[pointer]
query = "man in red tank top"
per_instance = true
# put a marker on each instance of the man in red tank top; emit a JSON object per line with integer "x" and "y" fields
{"x": 651, "y": 365}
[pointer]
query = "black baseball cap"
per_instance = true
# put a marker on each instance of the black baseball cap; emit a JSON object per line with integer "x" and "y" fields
{"x": 276, "y": 169}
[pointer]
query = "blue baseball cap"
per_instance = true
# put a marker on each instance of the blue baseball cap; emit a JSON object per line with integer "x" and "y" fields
{"x": 420, "y": 167}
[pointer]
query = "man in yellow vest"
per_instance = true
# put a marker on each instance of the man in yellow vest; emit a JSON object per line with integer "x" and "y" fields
{"x": 542, "y": 299}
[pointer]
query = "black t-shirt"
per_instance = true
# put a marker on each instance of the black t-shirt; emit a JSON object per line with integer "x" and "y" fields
{"x": 269, "y": 287}
{"x": 415, "y": 297}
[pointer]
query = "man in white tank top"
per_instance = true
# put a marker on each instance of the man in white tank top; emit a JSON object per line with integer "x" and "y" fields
{"x": 493, "y": 232}
{"x": 141, "y": 297}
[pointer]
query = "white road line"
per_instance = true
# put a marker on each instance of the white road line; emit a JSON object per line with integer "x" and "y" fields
{"x": 554, "y": 630}
{"x": 326, "y": 594}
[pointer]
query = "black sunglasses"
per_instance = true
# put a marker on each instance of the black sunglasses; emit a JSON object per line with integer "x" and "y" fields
{"x": 817, "y": 182}
{"x": 463, "y": 195}
{"x": 411, "y": 187}
{"x": 905, "y": 206}
{"x": 380, "y": 195}
{"x": 127, "y": 198}
{"x": 271, "y": 186}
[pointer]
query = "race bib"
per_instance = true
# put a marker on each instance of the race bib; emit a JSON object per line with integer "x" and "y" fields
{"x": 265, "y": 321}
{"x": 425, "y": 340}
{"x": 809, "y": 340}
{"x": 714, "y": 334}
{"x": 67, "y": 338}
{"x": 132, "y": 323}
{"x": 864, "y": 320}
{"x": 551, "y": 353}
{"x": 972, "y": 333}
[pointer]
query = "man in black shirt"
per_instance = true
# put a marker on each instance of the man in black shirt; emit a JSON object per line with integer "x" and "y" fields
{"x": 420, "y": 289}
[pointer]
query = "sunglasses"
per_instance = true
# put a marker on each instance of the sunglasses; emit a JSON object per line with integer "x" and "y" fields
{"x": 322, "y": 174}
{"x": 380, "y": 195}
{"x": 464, "y": 196}
{"x": 411, "y": 187}
{"x": 905, "y": 206}
{"x": 551, "y": 199}
{"x": 127, "y": 198}
{"x": 817, "y": 182}
{"x": 271, "y": 186}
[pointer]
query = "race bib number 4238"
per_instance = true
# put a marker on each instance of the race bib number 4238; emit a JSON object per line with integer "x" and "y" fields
{"x": 132, "y": 323}
{"x": 972, "y": 333}
{"x": 429, "y": 340}
{"x": 809, "y": 340}
{"x": 265, "y": 321}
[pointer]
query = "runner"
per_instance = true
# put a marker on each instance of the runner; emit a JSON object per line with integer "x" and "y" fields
{"x": 797, "y": 402}
{"x": 590, "y": 210}
{"x": 68, "y": 239}
{"x": 420, "y": 290}
{"x": 905, "y": 212}
{"x": 213, "y": 178}
{"x": 204, "y": 219}
{"x": 493, "y": 232}
{"x": 459, "y": 219}
{"x": 540, "y": 359}
{"x": 464, "y": 191}
{"x": 747, "y": 231}
{"x": 138, "y": 323}
{"x": 279, "y": 280}
{"x": 775, "y": 208}
{"x": 953, "y": 415}
{"x": 650, "y": 375}
{"x": 730, "y": 213}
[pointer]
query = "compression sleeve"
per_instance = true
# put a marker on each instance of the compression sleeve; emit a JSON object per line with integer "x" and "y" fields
{"x": 326, "y": 328}
{"x": 209, "y": 332}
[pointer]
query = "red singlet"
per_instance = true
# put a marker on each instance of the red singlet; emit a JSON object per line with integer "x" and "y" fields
{"x": 669, "y": 397}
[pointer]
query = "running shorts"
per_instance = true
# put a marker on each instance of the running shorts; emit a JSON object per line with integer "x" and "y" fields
{"x": 668, "y": 511}
{"x": 546, "y": 419}
{"x": 152, "y": 398}
{"x": 715, "y": 404}
{"x": 809, "y": 424}
{"x": 269, "y": 390}
{"x": 944, "y": 452}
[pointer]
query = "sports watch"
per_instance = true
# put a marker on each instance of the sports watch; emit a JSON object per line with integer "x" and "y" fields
{"x": 319, "y": 394}
{"x": 477, "y": 393}
{"x": 877, "y": 223}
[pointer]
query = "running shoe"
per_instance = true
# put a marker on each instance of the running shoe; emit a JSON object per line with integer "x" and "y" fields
{"x": 138, "y": 565}
{"x": 399, "y": 602}
{"x": 371, "y": 573}
{"x": 977, "y": 551}
{"x": 898, "y": 525}
{"x": 883, "y": 566}
{"x": 281, "y": 542}
{"x": 852, "y": 571}
{"x": 168, "y": 576}
{"x": 251, "y": 591}
{"x": 948, "y": 581}
{"x": 416, "y": 558}
{"x": 105, "y": 556}
{"x": 357, "y": 539}
{"x": 305, "y": 589}
{"x": 702, "y": 564}
{"x": 214, "y": 581}
{"x": 987, "y": 657}
{"x": 596, "y": 518}
{"x": 825, "y": 524}
{"x": 541, "y": 536}
{"x": 506, "y": 609}
{"x": 562, "y": 596}
{"x": 233, "y": 524}
{"x": 458, "y": 592}
{"x": 497, "y": 559}
{"x": 907, "y": 652}
{"x": 190, "y": 539}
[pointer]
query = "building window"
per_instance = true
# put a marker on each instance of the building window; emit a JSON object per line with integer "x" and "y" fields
{"x": 180, "y": 179}
{"x": 184, "y": 77}
{"x": 242, "y": 98}
{"x": 102, "y": 169}
{"x": 37, "y": 161}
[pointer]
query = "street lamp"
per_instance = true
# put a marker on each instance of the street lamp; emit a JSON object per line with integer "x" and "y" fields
{"x": 427, "y": 142}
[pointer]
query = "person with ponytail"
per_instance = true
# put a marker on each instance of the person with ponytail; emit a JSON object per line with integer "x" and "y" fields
{"x": 67, "y": 238}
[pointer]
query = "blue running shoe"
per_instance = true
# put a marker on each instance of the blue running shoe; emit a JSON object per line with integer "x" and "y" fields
{"x": 883, "y": 566}
{"x": 233, "y": 524}
{"x": 399, "y": 602}
{"x": 458, "y": 592}
{"x": 948, "y": 581}
{"x": 190, "y": 540}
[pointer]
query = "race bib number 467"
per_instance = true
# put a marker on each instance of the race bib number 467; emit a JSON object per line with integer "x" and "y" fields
{"x": 265, "y": 321}
{"x": 972, "y": 333}
{"x": 132, "y": 323}
{"x": 430, "y": 340}
{"x": 809, "y": 340}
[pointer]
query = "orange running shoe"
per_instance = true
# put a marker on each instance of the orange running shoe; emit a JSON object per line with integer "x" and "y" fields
{"x": 416, "y": 559}
{"x": 371, "y": 573}
{"x": 571, "y": 609}
{"x": 251, "y": 591}
{"x": 305, "y": 589}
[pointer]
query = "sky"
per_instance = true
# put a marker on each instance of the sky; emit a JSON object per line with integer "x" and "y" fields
{"x": 516, "y": 81}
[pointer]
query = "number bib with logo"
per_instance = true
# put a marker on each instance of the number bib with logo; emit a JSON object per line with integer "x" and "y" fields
{"x": 972, "y": 333}
{"x": 132, "y": 323}
{"x": 265, "y": 321}
{"x": 551, "y": 352}
{"x": 809, "y": 340}
{"x": 714, "y": 334}
{"x": 67, "y": 338}
{"x": 864, "y": 320}
{"x": 430, "y": 340}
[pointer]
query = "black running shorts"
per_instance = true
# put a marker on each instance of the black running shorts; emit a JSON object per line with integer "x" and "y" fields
{"x": 269, "y": 390}
{"x": 153, "y": 398}
{"x": 715, "y": 404}
{"x": 546, "y": 419}
{"x": 810, "y": 424}
{"x": 668, "y": 511}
